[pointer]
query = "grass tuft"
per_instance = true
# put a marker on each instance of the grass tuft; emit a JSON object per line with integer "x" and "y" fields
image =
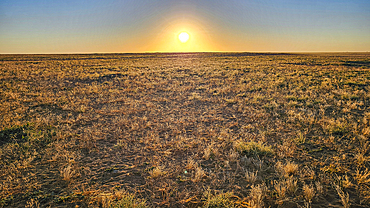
{"x": 129, "y": 201}
{"x": 222, "y": 200}
{"x": 157, "y": 172}
{"x": 253, "y": 148}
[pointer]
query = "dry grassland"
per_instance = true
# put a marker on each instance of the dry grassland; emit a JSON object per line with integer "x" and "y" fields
{"x": 185, "y": 130}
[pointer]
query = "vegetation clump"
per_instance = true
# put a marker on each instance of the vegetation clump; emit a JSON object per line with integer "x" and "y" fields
{"x": 253, "y": 148}
{"x": 129, "y": 201}
{"x": 221, "y": 200}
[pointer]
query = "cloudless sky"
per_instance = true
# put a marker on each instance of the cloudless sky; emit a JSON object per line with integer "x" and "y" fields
{"x": 91, "y": 26}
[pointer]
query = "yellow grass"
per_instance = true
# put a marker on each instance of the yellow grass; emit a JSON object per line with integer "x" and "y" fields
{"x": 162, "y": 130}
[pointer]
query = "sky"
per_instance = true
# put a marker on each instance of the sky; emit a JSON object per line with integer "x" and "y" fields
{"x": 126, "y": 26}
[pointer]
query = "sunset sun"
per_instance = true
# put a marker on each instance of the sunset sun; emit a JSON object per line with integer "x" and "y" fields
{"x": 184, "y": 37}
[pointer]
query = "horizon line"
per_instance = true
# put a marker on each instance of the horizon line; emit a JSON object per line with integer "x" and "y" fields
{"x": 179, "y": 52}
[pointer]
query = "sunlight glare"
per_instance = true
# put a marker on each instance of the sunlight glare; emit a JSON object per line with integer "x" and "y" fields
{"x": 184, "y": 37}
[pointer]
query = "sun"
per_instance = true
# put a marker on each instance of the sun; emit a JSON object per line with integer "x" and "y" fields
{"x": 184, "y": 37}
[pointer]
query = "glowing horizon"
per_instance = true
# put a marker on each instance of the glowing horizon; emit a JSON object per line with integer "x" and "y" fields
{"x": 153, "y": 26}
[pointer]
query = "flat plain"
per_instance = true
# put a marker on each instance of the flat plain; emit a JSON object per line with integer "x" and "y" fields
{"x": 185, "y": 130}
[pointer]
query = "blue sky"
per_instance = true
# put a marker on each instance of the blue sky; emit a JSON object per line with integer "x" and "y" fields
{"x": 81, "y": 26}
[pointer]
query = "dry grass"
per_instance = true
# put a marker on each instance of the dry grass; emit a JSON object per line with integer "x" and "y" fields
{"x": 198, "y": 175}
{"x": 158, "y": 172}
{"x": 251, "y": 177}
{"x": 191, "y": 164}
{"x": 252, "y": 148}
{"x": 32, "y": 203}
{"x": 319, "y": 187}
{"x": 362, "y": 177}
{"x": 292, "y": 186}
{"x": 288, "y": 169}
{"x": 257, "y": 194}
{"x": 361, "y": 159}
{"x": 281, "y": 189}
{"x": 219, "y": 200}
{"x": 118, "y": 199}
{"x": 103, "y": 130}
{"x": 67, "y": 173}
{"x": 344, "y": 197}
{"x": 308, "y": 192}
{"x": 128, "y": 201}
